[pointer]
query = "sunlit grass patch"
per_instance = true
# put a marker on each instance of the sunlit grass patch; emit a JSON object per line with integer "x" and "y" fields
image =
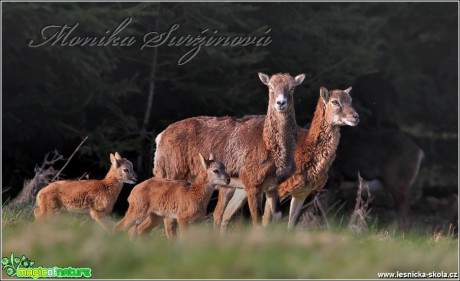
{"x": 244, "y": 252}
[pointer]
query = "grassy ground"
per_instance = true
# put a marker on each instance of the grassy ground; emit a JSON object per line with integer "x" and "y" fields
{"x": 244, "y": 252}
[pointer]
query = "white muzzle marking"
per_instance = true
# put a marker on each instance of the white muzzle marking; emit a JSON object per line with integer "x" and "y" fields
{"x": 281, "y": 103}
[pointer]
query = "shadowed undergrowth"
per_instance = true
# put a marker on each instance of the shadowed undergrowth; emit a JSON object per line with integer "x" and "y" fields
{"x": 77, "y": 241}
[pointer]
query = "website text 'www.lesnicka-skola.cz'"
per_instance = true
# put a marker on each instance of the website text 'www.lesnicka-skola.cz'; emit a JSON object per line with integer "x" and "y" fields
{"x": 418, "y": 274}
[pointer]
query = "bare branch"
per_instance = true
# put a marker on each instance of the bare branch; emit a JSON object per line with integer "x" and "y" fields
{"x": 65, "y": 165}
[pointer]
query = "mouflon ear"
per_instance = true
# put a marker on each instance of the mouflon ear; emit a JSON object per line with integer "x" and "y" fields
{"x": 348, "y": 90}
{"x": 299, "y": 79}
{"x": 113, "y": 160}
{"x": 212, "y": 157}
{"x": 324, "y": 93}
{"x": 203, "y": 162}
{"x": 264, "y": 78}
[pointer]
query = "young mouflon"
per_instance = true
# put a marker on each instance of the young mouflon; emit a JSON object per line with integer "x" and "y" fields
{"x": 156, "y": 199}
{"x": 96, "y": 197}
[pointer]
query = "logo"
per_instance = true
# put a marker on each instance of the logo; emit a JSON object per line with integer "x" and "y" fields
{"x": 22, "y": 268}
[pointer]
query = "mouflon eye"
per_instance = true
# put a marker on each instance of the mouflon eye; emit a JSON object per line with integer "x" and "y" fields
{"x": 125, "y": 170}
{"x": 215, "y": 171}
{"x": 334, "y": 102}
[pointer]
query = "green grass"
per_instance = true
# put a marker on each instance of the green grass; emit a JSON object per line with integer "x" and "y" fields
{"x": 243, "y": 253}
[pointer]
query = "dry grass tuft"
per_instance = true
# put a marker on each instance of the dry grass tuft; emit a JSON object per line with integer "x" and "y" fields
{"x": 314, "y": 214}
{"x": 358, "y": 219}
{"x": 44, "y": 175}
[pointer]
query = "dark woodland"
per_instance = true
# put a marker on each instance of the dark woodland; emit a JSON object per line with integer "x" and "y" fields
{"x": 400, "y": 58}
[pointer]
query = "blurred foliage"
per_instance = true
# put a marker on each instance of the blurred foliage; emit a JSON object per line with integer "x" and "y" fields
{"x": 54, "y": 96}
{"x": 243, "y": 253}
